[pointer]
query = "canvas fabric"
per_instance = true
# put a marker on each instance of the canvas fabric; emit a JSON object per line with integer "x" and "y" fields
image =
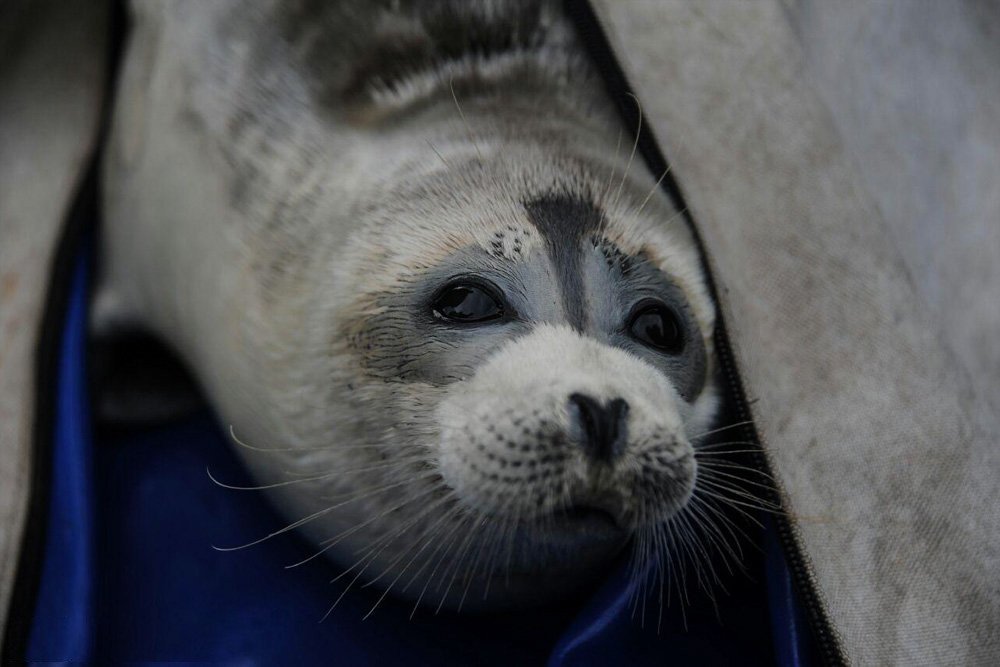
{"x": 914, "y": 93}
{"x": 52, "y": 71}
{"x": 861, "y": 330}
{"x": 877, "y": 435}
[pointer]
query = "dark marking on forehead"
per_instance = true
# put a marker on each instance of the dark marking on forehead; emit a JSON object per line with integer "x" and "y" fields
{"x": 563, "y": 221}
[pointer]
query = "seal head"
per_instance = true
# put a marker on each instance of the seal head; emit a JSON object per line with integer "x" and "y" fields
{"x": 464, "y": 337}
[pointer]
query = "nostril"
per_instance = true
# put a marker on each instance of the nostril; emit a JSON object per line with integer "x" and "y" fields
{"x": 603, "y": 429}
{"x": 588, "y": 413}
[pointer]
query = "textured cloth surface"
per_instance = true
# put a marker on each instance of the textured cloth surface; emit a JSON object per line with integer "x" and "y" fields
{"x": 863, "y": 409}
{"x": 914, "y": 91}
{"x": 51, "y": 81}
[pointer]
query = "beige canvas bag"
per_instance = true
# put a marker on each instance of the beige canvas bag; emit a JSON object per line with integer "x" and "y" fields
{"x": 860, "y": 295}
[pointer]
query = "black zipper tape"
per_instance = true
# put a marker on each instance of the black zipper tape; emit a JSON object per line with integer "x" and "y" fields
{"x": 591, "y": 34}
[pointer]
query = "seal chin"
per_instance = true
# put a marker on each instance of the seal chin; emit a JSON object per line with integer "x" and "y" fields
{"x": 590, "y": 517}
{"x": 558, "y": 540}
{"x": 574, "y": 555}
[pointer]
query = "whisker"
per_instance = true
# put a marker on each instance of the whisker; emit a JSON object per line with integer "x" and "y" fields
{"x": 711, "y": 473}
{"x": 730, "y": 553}
{"x": 721, "y": 429}
{"x": 427, "y": 542}
{"x": 708, "y": 454}
{"x": 371, "y": 559}
{"x": 718, "y": 479}
{"x": 450, "y": 513}
{"x": 446, "y": 542}
{"x": 737, "y": 505}
{"x": 707, "y": 505}
{"x": 635, "y": 144}
{"x": 468, "y": 128}
{"x": 329, "y": 546}
{"x": 381, "y": 466}
{"x": 457, "y": 562}
{"x": 611, "y": 175}
{"x": 656, "y": 186}
{"x": 717, "y": 462}
{"x": 436, "y": 152}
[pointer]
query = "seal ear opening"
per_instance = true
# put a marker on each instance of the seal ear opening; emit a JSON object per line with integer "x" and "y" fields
{"x": 137, "y": 381}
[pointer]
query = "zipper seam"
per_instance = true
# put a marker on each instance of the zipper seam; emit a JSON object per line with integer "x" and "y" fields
{"x": 591, "y": 33}
{"x": 830, "y": 646}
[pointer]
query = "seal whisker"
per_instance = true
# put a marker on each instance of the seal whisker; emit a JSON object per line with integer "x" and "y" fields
{"x": 504, "y": 543}
{"x": 711, "y": 472}
{"x": 724, "y": 455}
{"x": 652, "y": 191}
{"x": 430, "y": 529}
{"x": 722, "y": 428}
{"x": 430, "y": 474}
{"x": 437, "y": 152}
{"x": 704, "y": 563}
{"x": 370, "y": 558}
{"x": 718, "y": 521}
{"x": 315, "y": 478}
{"x": 399, "y": 462}
{"x": 468, "y": 128}
{"x": 731, "y": 443}
{"x": 454, "y": 567}
{"x": 443, "y": 547}
{"x": 722, "y": 481}
{"x": 611, "y": 177}
{"x": 484, "y": 541}
{"x": 353, "y": 498}
{"x": 635, "y": 144}
{"x": 331, "y": 541}
{"x": 736, "y": 505}
{"x": 430, "y": 538}
{"x": 677, "y": 546}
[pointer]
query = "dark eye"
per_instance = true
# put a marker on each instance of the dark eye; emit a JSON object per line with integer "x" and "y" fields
{"x": 658, "y": 326}
{"x": 467, "y": 303}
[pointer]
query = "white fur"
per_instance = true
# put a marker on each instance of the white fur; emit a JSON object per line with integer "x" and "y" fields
{"x": 260, "y": 250}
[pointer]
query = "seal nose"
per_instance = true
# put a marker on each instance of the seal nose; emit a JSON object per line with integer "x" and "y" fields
{"x": 603, "y": 429}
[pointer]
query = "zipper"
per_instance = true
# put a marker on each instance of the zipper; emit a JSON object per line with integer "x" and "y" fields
{"x": 591, "y": 33}
{"x": 827, "y": 642}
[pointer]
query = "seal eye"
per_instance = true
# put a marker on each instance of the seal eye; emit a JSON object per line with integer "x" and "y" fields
{"x": 466, "y": 303}
{"x": 658, "y": 326}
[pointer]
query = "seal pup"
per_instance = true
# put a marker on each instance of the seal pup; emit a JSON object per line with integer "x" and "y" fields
{"x": 464, "y": 342}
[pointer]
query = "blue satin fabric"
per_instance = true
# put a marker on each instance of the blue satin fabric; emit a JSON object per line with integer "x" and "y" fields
{"x": 65, "y": 608}
{"x": 130, "y": 574}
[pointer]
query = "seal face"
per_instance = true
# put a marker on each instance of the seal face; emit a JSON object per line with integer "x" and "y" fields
{"x": 466, "y": 343}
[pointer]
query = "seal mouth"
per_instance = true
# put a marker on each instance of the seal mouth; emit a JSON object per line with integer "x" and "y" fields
{"x": 590, "y": 520}
{"x": 588, "y": 514}
{"x": 571, "y": 537}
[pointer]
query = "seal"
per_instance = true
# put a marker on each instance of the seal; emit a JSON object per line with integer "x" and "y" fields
{"x": 464, "y": 342}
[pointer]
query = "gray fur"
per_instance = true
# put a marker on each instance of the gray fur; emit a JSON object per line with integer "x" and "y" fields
{"x": 565, "y": 221}
{"x": 283, "y": 212}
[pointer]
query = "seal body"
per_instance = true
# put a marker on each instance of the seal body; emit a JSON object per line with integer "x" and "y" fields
{"x": 465, "y": 342}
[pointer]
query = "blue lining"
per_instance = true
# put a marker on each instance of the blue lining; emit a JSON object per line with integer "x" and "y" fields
{"x": 141, "y": 582}
{"x": 63, "y": 627}
{"x": 787, "y": 623}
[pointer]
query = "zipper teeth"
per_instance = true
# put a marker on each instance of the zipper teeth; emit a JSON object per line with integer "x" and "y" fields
{"x": 591, "y": 34}
{"x": 829, "y": 645}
